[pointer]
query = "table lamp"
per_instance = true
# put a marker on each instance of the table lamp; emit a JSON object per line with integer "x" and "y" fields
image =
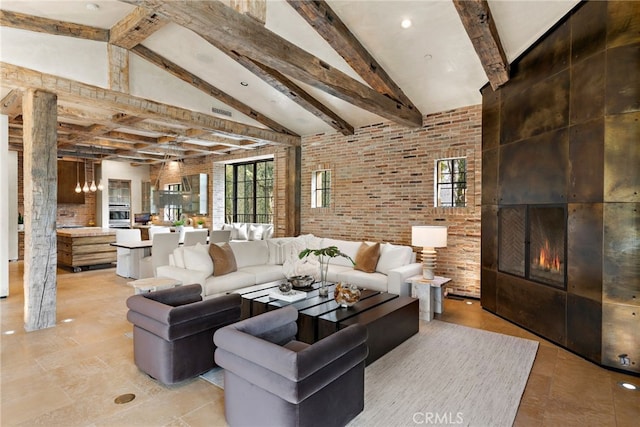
{"x": 429, "y": 237}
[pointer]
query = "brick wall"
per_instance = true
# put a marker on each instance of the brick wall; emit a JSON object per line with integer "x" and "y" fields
{"x": 382, "y": 184}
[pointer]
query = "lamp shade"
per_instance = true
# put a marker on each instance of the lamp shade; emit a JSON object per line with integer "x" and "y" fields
{"x": 429, "y": 236}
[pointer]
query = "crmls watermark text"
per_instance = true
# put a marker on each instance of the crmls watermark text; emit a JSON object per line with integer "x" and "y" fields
{"x": 438, "y": 418}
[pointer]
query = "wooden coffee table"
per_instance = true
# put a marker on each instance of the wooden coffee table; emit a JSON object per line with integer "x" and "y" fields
{"x": 390, "y": 319}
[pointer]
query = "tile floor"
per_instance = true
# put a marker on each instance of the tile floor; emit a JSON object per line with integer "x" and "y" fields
{"x": 70, "y": 375}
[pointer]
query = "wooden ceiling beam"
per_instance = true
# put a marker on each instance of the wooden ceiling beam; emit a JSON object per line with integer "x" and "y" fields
{"x": 21, "y": 77}
{"x": 134, "y": 28}
{"x": 208, "y": 88}
{"x": 329, "y": 25}
{"x": 219, "y": 24}
{"x": 478, "y": 22}
{"x": 11, "y": 104}
{"x": 288, "y": 88}
{"x": 52, "y": 26}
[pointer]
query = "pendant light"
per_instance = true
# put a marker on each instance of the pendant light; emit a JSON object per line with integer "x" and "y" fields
{"x": 86, "y": 185}
{"x": 78, "y": 189}
{"x": 93, "y": 187}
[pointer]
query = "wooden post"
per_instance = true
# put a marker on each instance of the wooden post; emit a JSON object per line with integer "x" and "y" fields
{"x": 40, "y": 204}
{"x": 293, "y": 205}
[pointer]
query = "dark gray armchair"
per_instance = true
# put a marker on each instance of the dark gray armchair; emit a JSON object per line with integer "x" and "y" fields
{"x": 173, "y": 330}
{"x": 270, "y": 379}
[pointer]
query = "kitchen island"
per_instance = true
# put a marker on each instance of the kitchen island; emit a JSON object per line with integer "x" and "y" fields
{"x": 85, "y": 247}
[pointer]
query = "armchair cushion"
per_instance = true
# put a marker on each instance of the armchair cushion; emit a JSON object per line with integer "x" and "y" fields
{"x": 293, "y": 372}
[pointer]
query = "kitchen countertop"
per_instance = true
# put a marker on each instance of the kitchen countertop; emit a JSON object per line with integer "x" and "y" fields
{"x": 85, "y": 232}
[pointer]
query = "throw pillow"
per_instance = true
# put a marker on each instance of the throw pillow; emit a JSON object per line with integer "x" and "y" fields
{"x": 392, "y": 256}
{"x": 239, "y": 231}
{"x": 178, "y": 257}
{"x": 197, "y": 258}
{"x": 224, "y": 261}
{"x": 367, "y": 257}
{"x": 255, "y": 232}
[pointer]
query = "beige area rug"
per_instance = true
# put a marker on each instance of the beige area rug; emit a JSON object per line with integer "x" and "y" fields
{"x": 446, "y": 374}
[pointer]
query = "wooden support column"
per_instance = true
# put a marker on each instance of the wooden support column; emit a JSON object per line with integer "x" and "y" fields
{"x": 118, "y": 68}
{"x": 40, "y": 205}
{"x": 293, "y": 196}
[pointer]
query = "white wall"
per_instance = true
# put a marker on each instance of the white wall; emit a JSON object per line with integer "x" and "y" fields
{"x": 124, "y": 171}
{"x": 8, "y": 205}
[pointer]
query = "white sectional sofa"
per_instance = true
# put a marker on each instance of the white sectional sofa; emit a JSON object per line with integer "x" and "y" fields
{"x": 263, "y": 261}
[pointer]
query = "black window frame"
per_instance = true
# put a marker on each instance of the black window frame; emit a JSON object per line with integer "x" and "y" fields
{"x": 255, "y": 214}
{"x": 454, "y": 184}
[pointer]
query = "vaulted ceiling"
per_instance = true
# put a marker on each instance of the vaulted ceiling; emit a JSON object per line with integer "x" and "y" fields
{"x": 147, "y": 80}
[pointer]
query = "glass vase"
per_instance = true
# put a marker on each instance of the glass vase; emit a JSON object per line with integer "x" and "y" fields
{"x": 324, "y": 286}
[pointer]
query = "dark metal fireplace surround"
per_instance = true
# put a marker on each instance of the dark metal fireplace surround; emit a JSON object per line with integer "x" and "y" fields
{"x": 561, "y": 187}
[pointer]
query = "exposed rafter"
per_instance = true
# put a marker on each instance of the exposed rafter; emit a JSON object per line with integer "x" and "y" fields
{"x": 294, "y": 92}
{"x": 329, "y": 25}
{"x": 134, "y": 28}
{"x": 478, "y": 22}
{"x": 218, "y": 23}
{"x": 207, "y": 88}
{"x": 52, "y": 26}
{"x": 20, "y": 77}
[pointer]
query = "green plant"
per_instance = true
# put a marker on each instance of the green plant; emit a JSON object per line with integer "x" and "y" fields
{"x": 20, "y": 218}
{"x": 200, "y": 221}
{"x": 178, "y": 223}
{"x": 330, "y": 251}
{"x": 323, "y": 254}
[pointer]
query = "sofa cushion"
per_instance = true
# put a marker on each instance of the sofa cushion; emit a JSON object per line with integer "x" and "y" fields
{"x": 224, "y": 261}
{"x": 197, "y": 258}
{"x": 367, "y": 257}
{"x": 268, "y": 231}
{"x": 251, "y": 252}
{"x": 392, "y": 256}
{"x": 238, "y": 230}
{"x": 265, "y": 273}
{"x": 334, "y": 270}
{"x": 373, "y": 281}
{"x": 346, "y": 247}
{"x": 216, "y": 285}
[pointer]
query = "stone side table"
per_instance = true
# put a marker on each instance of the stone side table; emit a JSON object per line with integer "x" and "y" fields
{"x": 152, "y": 284}
{"x": 430, "y": 294}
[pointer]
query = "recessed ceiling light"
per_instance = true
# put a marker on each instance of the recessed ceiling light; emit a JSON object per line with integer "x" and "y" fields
{"x": 244, "y": 84}
{"x": 92, "y": 6}
{"x": 406, "y": 23}
{"x": 628, "y": 386}
{"x": 428, "y": 57}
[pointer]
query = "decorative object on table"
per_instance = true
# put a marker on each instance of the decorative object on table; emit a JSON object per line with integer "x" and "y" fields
{"x": 20, "y": 222}
{"x": 323, "y": 255}
{"x": 200, "y": 223}
{"x": 301, "y": 282}
{"x": 285, "y": 287}
{"x": 346, "y": 294}
{"x": 429, "y": 237}
{"x": 290, "y": 296}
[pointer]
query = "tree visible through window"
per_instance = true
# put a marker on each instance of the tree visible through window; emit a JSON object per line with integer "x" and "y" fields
{"x": 321, "y": 189}
{"x": 451, "y": 182}
{"x": 249, "y": 192}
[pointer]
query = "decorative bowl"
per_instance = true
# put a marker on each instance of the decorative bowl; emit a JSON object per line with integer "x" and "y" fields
{"x": 285, "y": 287}
{"x": 346, "y": 295}
{"x": 301, "y": 282}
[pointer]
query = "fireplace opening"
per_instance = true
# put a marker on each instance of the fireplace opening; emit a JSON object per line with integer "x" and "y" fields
{"x": 532, "y": 243}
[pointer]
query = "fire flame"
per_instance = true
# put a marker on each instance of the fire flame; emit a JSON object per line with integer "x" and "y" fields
{"x": 547, "y": 260}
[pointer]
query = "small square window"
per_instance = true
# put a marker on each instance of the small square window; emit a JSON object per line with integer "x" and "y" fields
{"x": 451, "y": 183}
{"x": 321, "y": 189}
